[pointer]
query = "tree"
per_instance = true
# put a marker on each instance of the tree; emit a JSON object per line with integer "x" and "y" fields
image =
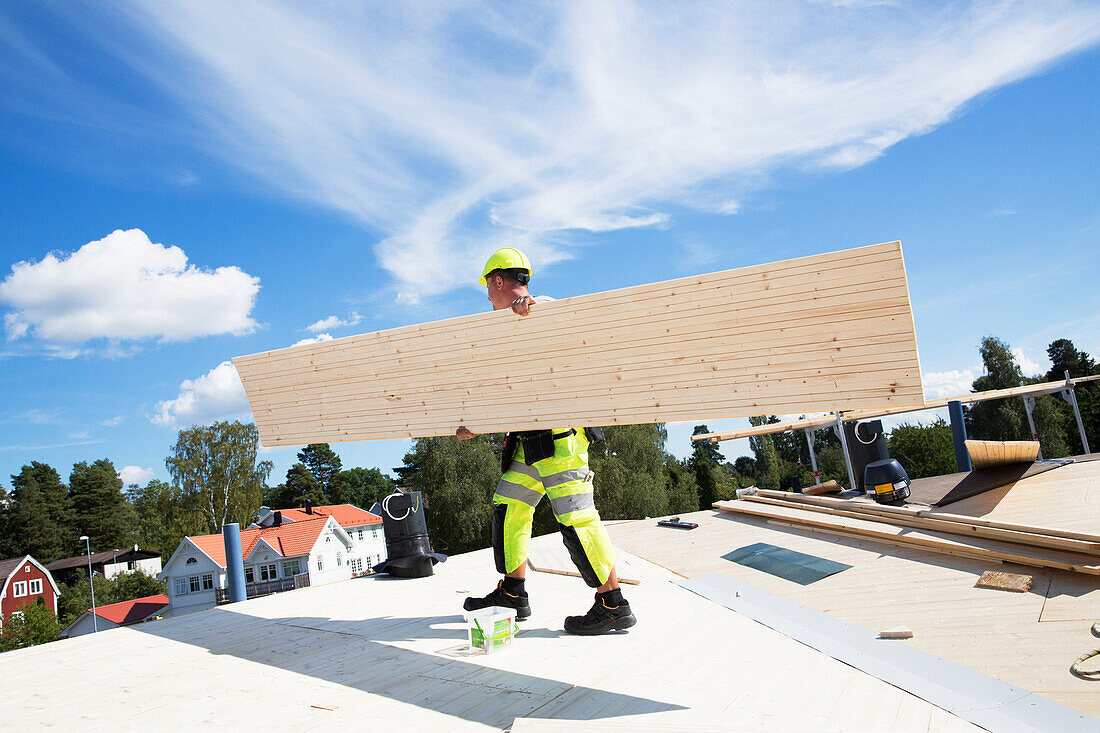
{"x": 712, "y": 482}
{"x": 322, "y": 462}
{"x": 100, "y": 509}
{"x": 361, "y": 487}
{"x": 301, "y": 485}
{"x": 456, "y": 479}
{"x": 162, "y": 516}
{"x": 1006, "y": 419}
{"x": 923, "y": 450}
{"x": 37, "y": 624}
{"x": 216, "y": 470}
{"x": 37, "y": 515}
{"x": 635, "y": 477}
{"x": 768, "y": 469}
{"x": 1065, "y": 357}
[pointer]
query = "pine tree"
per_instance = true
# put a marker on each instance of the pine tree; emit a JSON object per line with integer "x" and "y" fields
{"x": 100, "y": 509}
{"x": 39, "y": 518}
{"x": 322, "y": 462}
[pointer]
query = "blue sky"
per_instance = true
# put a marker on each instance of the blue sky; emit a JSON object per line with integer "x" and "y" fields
{"x": 347, "y": 167}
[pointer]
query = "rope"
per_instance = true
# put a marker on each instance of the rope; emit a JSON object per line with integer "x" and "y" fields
{"x": 1075, "y": 668}
{"x": 385, "y": 507}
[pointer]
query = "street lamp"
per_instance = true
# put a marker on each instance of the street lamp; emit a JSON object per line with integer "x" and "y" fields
{"x": 88, "y": 546}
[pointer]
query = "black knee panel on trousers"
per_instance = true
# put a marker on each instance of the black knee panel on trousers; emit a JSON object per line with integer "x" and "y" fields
{"x": 498, "y": 536}
{"x": 578, "y": 556}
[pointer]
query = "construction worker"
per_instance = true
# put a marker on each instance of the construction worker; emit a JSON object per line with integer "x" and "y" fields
{"x": 552, "y": 463}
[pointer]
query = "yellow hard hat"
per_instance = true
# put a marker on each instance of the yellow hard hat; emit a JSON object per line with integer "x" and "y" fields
{"x": 506, "y": 258}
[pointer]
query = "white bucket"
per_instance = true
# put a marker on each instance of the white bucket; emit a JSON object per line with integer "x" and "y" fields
{"x": 491, "y": 628}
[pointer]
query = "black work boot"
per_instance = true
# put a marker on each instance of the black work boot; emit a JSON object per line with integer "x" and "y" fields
{"x": 602, "y": 617}
{"x": 501, "y": 597}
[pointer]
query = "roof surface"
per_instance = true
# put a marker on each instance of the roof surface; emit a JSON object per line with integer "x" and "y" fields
{"x": 394, "y": 651}
{"x": 129, "y": 612}
{"x": 295, "y": 538}
{"x": 346, "y": 515}
{"x": 7, "y": 566}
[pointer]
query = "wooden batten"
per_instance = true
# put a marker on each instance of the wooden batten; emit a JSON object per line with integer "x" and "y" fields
{"x": 984, "y": 549}
{"x": 813, "y": 334}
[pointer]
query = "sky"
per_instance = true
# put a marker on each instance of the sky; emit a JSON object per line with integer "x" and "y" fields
{"x": 188, "y": 182}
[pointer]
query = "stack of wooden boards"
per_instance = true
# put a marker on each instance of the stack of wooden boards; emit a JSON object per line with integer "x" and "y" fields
{"x": 951, "y": 534}
{"x": 988, "y": 453}
{"x": 814, "y": 334}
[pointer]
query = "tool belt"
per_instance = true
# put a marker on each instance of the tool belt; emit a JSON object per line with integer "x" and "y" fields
{"x": 539, "y": 444}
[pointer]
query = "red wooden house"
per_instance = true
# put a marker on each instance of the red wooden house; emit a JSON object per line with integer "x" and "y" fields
{"x": 25, "y": 580}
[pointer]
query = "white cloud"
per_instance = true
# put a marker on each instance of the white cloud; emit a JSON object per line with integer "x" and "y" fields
{"x": 455, "y": 129}
{"x": 334, "y": 322}
{"x": 111, "y": 422}
{"x": 125, "y": 287}
{"x": 1027, "y": 366}
{"x": 136, "y": 475}
{"x": 938, "y": 385}
{"x": 216, "y": 395}
{"x": 314, "y": 340}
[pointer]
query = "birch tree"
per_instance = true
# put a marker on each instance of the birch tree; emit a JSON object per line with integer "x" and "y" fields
{"x": 216, "y": 470}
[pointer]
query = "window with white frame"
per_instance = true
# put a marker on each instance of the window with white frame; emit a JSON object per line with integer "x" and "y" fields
{"x": 249, "y": 575}
{"x": 320, "y": 563}
{"x": 181, "y": 586}
{"x": 267, "y": 572}
{"x": 360, "y": 535}
{"x": 19, "y": 588}
{"x": 339, "y": 559}
{"x": 191, "y": 561}
{"x": 131, "y": 565}
{"x": 36, "y": 586}
{"x": 17, "y": 615}
{"x": 195, "y": 584}
{"x": 291, "y": 568}
{"x": 357, "y": 565}
{"x": 208, "y": 581}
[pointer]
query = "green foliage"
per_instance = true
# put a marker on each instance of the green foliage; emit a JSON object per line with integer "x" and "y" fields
{"x": 322, "y": 462}
{"x": 37, "y": 625}
{"x": 768, "y": 468}
{"x": 1006, "y": 419}
{"x": 76, "y": 595}
{"x": 635, "y": 477}
{"x": 37, "y": 517}
{"x": 100, "y": 509}
{"x": 1065, "y": 357}
{"x": 714, "y": 483}
{"x": 360, "y": 486}
{"x": 162, "y": 516}
{"x": 457, "y": 479}
{"x": 216, "y": 470}
{"x": 923, "y": 450}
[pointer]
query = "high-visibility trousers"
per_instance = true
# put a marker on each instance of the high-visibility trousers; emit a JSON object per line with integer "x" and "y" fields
{"x": 567, "y": 480}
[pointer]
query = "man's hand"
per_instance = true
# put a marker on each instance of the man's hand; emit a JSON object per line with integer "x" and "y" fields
{"x": 463, "y": 433}
{"x": 521, "y": 306}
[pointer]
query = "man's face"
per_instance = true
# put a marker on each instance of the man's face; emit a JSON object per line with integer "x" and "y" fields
{"x": 498, "y": 293}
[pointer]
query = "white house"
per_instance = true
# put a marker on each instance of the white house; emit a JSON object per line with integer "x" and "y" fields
{"x": 108, "y": 563}
{"x": 364, "y": 528}
{"x": 114, "y": 615}
{"x": 310, "y": 552}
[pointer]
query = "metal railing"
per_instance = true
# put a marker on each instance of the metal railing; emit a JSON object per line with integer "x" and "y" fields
{"x": 265, "y": 587}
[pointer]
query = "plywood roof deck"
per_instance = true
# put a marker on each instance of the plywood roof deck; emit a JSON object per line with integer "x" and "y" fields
{"x": 1025, "y": 639}
{"x": 381, "y": 653}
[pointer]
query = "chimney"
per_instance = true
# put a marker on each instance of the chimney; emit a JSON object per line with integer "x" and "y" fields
{"x": 278, "y": 519}
{"x": 309, "y": 506}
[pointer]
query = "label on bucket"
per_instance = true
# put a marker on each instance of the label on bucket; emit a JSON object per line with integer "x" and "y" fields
{"x": 491, "y": 628}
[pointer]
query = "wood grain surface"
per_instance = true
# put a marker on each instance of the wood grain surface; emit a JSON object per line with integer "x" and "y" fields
{"x": 826, "y": 332}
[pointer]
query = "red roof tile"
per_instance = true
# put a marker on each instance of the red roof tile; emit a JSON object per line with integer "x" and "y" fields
{"x": 129, "y": 612}
{"x": 295, "y": 538}
{"x": 346, "y": 515}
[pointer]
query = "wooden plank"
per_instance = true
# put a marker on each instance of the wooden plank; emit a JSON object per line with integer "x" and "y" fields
{"x": 869, "y": 506}
{"x": 930, "y": 523}
{"x": 832, "y": 331}
{"x": 989, "y": 550}
{"x": 778, "y": 427}
{"x": 988, "y": 453}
